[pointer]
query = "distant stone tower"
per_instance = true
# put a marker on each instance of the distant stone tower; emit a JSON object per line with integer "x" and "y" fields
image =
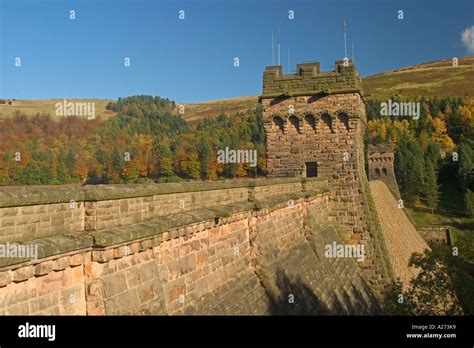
{"x": 380, "y": 160}
{"x": 314, "y": 123}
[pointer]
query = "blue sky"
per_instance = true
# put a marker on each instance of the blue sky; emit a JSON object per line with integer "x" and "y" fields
{"x": 192, "y": 59}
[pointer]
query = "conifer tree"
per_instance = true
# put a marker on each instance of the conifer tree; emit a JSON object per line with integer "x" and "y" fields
{"x": 431, "y": 187}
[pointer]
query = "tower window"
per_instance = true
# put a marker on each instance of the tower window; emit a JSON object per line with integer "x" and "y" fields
{"x": 344, "y": 121}
{"x": 295, "y": 123}
{"x": 327, "y": 122}
{"x": 278, "y": 122}
{"x": 311, "y": 169}
{"x": 310, "y": 121}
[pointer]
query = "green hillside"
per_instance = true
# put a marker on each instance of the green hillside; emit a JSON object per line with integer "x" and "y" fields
{"x": 193, "y": 112}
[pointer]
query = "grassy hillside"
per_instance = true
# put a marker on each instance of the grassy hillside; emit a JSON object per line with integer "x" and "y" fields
{"x": 438, "y": 78}
{"x": 193, "y": 112}
{"x": 47, "y": 106}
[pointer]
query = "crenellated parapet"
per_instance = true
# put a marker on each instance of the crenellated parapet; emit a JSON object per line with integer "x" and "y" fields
{"x": 309, "y": 80}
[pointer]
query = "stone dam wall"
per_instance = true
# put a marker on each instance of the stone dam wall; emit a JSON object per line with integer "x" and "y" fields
{"x": 401, "y": 237}
{"x": 238, "y": 247}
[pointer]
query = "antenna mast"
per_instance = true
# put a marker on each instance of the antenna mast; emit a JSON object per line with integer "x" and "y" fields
{"x": 279, "y": 63}
{"x": 344, "y": 28}
{"x": 353, "y": 60}
{"x": 289, "y": 65}
{"x": 273, "y": 51}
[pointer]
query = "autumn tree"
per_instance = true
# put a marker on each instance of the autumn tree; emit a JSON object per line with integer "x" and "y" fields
{"x": 194, "y": 166}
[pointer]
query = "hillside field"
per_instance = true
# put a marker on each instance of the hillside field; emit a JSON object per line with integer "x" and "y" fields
{"x": 438, "y": 78}
{"x": 47, "y": 106}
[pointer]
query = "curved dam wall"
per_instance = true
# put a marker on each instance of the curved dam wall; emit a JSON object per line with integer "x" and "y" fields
{"x": 239, "y": 247}
{"x": 401, "y": 237}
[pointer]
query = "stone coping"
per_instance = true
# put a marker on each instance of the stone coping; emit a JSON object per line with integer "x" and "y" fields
{"x": 14, "y": 196}
{"x": 327, "y": 91}
{"x": 50, "y": 246}
{"x": 66, "y": 243}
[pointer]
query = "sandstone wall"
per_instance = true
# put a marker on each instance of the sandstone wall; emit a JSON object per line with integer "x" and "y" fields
{"x": 50, "y": 287}
{"x": 34, "y": 212}
{"x": 36, "y": 221}
{"x": 245, "y": 258}
{"x": 315, "y": 139}
{"x": 292, "y": 264}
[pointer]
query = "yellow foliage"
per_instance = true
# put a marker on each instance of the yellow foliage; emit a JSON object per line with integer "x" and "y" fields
{"x": 439, "y": 126}
{"x": 379, "y": 128}
{"x": 440, "y": 135}
{"x": 82, "y": 169}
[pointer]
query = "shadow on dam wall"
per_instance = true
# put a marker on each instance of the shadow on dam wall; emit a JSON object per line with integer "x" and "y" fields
{"x": 309, "y": 303}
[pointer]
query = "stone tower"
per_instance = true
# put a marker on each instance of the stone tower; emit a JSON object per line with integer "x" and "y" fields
{"x": 313, "y": 120}
{"x": 380, "y": 164}
{"x": 314, "y": 123}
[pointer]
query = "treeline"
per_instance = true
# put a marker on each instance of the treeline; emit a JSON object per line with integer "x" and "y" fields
{"x": 438, "y": 140}
{"x": 139, "y": 105}
{"x": 145, "y": 141}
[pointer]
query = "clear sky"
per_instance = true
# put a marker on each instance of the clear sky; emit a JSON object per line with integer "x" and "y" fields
{"x": 193, "y": 59}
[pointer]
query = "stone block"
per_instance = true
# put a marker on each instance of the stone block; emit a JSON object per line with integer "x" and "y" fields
{"x": 114, "y": 284}
{"x": 23, "y": 273}
{"x": 146, "y": 244}
{"x": 61, "y": 263}
{"x": 5, "y": 278}
{"x": 76, "y": 259}
{"x": 43, "y": 268}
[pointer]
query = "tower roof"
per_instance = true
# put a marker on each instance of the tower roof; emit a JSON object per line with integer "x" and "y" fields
{"x": 309, "y": 80}
{"x": 379, "y": 148}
